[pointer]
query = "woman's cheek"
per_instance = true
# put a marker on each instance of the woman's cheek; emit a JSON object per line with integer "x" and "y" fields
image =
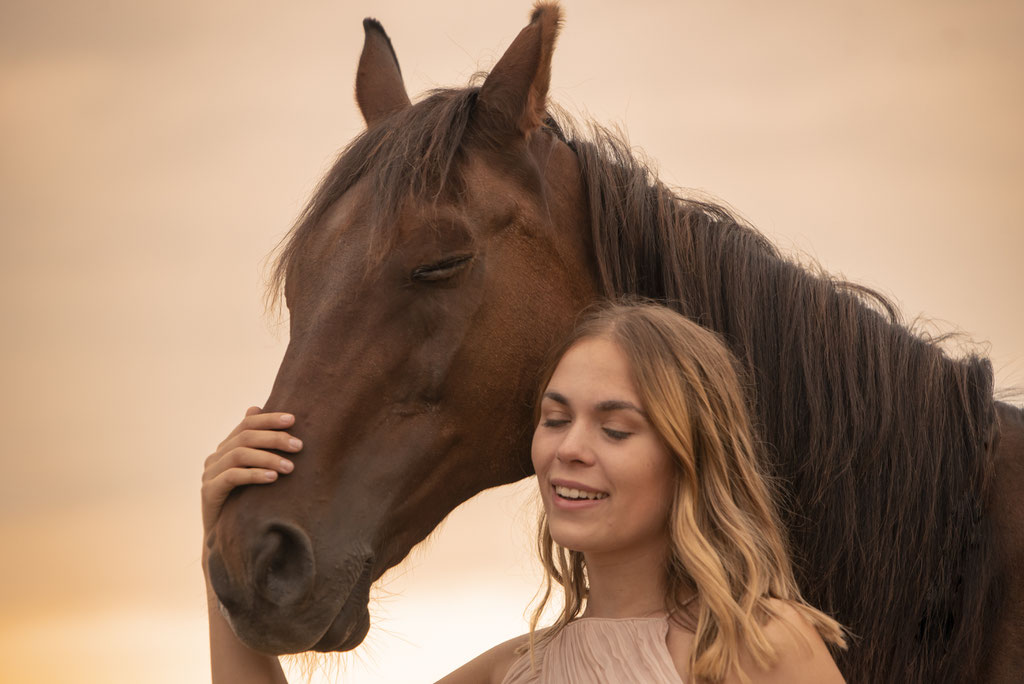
{"x": 535, "y": 449}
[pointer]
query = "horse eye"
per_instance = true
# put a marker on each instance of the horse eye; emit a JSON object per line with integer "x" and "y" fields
{"x": 442, "y": 270}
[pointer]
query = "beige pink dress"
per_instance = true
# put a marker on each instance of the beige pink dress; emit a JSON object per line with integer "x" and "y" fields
{"x": 601, "y": 650}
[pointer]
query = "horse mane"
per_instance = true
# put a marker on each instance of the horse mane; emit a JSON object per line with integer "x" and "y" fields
{"x": 882, "y": 441}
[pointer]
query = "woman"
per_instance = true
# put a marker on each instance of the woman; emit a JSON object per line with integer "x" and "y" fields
{"x": 658, "y": 522}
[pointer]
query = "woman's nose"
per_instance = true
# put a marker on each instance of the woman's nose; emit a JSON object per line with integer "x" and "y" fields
{"x": 575, "y": 446}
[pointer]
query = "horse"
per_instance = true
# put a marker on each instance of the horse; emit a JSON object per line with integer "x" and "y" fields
{"x": 449, "y": 247}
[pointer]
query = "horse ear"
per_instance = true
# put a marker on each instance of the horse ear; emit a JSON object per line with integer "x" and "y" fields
{"x": 514, "y": 95}
{"x": 379, "y": 87}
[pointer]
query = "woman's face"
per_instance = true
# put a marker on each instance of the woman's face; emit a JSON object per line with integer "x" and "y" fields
{"x": 605, "y": 476}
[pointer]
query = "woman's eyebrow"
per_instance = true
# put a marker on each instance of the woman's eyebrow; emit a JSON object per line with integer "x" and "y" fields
{"x": 555, "y": 396}
{"x": 603, "y": 407}
{"x": 619, "y": 405}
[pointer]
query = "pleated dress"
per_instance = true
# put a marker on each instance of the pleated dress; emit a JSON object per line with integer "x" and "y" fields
{"x": 600, "y": 650}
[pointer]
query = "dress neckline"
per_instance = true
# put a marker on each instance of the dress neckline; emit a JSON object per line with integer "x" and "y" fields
{"x": 664, "y": 616}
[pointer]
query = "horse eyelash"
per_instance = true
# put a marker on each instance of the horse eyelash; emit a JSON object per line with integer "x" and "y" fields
{"x": 441, "y": 270}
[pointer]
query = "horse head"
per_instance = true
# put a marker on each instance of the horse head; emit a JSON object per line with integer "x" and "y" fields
{"x": 430, "y": 274}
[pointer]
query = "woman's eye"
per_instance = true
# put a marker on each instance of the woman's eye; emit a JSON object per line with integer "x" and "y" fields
{"x": 616, "y": 434}
{"x": 554, "y": 422}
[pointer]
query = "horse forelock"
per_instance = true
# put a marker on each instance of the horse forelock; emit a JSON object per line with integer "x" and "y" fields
{"x": 882, "y": 440}
{"x": 415, "y": 153}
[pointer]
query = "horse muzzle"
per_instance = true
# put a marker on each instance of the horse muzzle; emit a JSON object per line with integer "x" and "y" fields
{"x": 276, "y": 602}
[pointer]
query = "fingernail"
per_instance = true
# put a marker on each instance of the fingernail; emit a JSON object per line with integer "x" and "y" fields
{"x": 287, "y": 418}
{"x": 271, "y": 475}
{"x": 286, "y": 465}
{"x": 295, "y": 443}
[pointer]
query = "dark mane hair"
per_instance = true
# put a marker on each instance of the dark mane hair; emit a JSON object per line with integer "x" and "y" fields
{"x": 881, "y": 439}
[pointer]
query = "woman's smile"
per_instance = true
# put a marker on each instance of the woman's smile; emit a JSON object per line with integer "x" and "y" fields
{"x": 572, "y": 496}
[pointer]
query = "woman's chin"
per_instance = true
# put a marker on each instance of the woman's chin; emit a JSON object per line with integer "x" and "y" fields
{"x": 572, "y": 540}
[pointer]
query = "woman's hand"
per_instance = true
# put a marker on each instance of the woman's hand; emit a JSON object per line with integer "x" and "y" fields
{"x": 242, "y": 459}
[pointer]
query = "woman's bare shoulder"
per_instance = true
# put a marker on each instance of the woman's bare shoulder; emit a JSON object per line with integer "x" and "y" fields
{"x": 802, "y": 655}
{"x": 490, "y": 666}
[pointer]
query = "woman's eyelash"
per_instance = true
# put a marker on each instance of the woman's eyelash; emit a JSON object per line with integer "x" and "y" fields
{"x": 617, "y": 435}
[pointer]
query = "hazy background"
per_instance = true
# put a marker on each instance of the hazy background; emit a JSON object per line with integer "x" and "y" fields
{"x": 152, "y": 154}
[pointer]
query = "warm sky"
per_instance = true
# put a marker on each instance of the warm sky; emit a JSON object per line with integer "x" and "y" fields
{"x": 152, "y": 154}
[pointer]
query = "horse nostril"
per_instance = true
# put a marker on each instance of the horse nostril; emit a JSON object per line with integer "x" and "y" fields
{"x": 283, "y": 565}
{"x": 220, "y": 580}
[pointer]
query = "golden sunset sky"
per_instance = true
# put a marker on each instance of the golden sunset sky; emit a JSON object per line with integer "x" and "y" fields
{"x": 152, "y": 154}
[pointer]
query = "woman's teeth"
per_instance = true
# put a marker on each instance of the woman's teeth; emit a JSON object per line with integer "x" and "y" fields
{"x": 568, "y": 493}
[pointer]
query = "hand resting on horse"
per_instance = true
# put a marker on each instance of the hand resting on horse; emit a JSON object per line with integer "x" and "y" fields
{"x": 242, "y": 459}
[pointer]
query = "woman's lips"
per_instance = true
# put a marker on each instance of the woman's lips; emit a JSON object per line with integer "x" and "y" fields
{"x": 571, "y": 496}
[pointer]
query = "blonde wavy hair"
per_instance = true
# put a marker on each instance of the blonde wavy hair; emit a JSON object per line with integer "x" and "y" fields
{"x": 726, "y": 539}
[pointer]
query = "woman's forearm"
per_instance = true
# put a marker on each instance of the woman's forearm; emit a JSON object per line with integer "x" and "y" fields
{"x": 232, "y": 661}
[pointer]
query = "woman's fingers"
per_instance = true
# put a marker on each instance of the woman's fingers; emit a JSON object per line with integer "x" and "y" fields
{"x": 245, "y": 457}
{"x": 262, "y": 439}
{"x": 215, "y": 491}
{"x": 255, "y": 420}
{"x": 249, "y": 439}
{"x": 222, "y": 485}
{"x": 247, "y": 445}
